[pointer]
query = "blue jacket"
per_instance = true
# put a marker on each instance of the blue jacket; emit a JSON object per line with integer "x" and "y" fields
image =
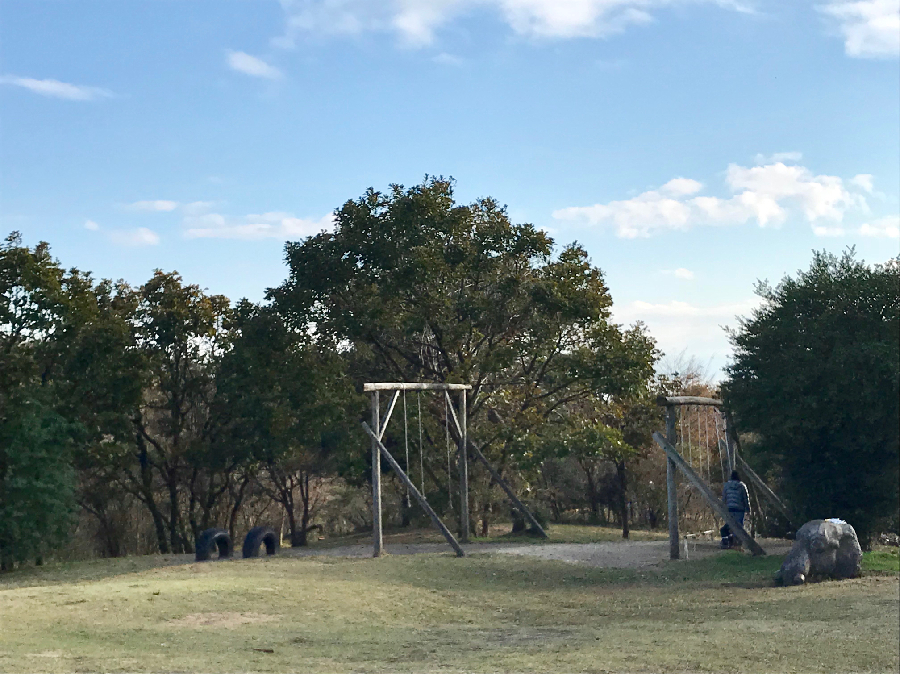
{"x": 735, "y": 496}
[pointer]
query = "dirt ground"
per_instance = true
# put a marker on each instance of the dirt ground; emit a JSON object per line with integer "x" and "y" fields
{"x": 621, "y": 554}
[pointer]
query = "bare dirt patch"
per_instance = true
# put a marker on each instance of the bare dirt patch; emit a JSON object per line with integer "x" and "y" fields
{"x": 220, "y": 619}
{"x": 617, "y": 554}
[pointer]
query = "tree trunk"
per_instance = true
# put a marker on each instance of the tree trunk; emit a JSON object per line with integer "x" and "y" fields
{"x": 236, "y": 507}
{"x": 176, "y": 540}
{"x": 593, "y": 493}
{"x": 485, "y": 518}
{"x": 623, "y": 497}
{"x": 146, "y": 492}
{"x": 304, "y": 518}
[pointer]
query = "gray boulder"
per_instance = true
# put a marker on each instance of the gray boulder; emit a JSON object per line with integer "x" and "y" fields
{"x": 822, "y": 548}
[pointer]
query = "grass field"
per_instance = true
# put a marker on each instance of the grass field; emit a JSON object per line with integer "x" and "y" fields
{"x": 434, "y": 612}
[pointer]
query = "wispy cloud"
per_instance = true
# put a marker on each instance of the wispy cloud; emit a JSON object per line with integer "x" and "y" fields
{"x": 273, "y": 225}
{"x": 764, "y": 194}
{"x": 882, "y": 227}
{"x": 829, "y": 231}
{"x": 198, "y": 208}
{"x": 57, "y": 89}
{"x": 416, "y": 21}
{"x": 153, "y": 205}
{"x": 680, "y": 273}
{"x": 793, "y": 156}
{"x": 140, "y": 236}
{"x": 91, "y": 225}
{"x": 871, "y": 28}
{"x": 252, "y": 65}
{"x": 448, "y": 59}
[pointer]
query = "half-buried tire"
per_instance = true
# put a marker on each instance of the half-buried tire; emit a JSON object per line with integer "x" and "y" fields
{"x": 211, "y": 540}
{"x": 260, "y": 536}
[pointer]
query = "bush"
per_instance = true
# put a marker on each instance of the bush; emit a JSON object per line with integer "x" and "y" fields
{"x": 816, "y": 378}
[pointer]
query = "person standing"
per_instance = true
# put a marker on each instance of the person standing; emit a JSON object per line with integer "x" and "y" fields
{"x": 737, "y": 500}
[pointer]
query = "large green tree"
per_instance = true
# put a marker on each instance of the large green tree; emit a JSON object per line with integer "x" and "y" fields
{"x": 283, "y": 401}
{"x": 37, "y": 304}
{"x": 68, "y": 365}
{"x": 816, "y": 379}
{"x": 174, "y": 469}
{"x": 425, "y": 289}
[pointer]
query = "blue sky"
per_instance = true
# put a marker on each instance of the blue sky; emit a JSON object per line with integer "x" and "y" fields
{"x": 692, "y": 146}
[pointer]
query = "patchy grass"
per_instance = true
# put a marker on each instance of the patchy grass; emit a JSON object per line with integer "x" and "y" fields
{"x": 434, "y": 612}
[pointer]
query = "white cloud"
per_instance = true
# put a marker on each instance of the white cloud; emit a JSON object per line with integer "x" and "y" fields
{"x": 273, "y": 225}
{"x": 765, "y": 194}
{"x": 636, "y": 217}
{"x": 819, "y": 196}
{"x": 680, "y": 273}
{"x": 863, "y": 181}
{"x": 91, "y": 225}
{"x": 57, "y": 89}
{"x": 415, "y": 21}
{"x": 883, "y": 227}
{"x": 824, "y": 231}
{"x": 138, "y": 237}
{"x": 779, "y": 157}
{"x": 678, "y": 187}
{"x": 197, "y": 208}
{"x": 871, "y": 28}
{"x": 153, "y": 205}
{"x": 251, "y": 65}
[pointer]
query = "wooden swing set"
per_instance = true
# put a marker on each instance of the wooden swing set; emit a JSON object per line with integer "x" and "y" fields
{"x": 727, "y": 443}
{"x": 458, "y": 418}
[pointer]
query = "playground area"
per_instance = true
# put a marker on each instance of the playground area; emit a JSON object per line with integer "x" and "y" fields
{"x": 570, "y": 604}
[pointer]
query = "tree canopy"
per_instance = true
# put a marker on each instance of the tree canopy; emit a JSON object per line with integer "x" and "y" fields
{"x": 816, "y": 381}
{"x": 442, "y": 292}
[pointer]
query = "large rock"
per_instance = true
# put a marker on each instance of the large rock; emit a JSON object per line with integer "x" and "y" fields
{"x": 822, "y": 548}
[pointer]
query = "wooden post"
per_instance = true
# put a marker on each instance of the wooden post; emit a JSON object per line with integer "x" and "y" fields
{"x": 707, "y": 493}
{"x": 672, "y": 486}
{"x": 463, "y": 461}
{"x": 414, "y": 491}
{"x": 376, "y": 480}
{"x": 729, "y": 446}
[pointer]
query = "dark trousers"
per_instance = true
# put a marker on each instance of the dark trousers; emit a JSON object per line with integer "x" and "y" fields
{"x": 727, "y": 536}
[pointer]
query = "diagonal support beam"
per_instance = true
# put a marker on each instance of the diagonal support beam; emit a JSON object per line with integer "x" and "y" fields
{"x": 764, "y": 490}
{"x": 415, "y": 492}
{"x": 387, "y": 414}
{"x": 453, "y": 414}
{"x": 708, "y": 494}
{"x": 508, "y": 490}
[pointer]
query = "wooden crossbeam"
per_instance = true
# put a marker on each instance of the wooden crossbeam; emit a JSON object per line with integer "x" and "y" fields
{"x": 413, "y": 386}
{"x": 708, "y": 494}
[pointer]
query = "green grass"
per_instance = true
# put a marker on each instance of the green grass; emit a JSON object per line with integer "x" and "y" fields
{"x": 435, "y": 612}
{"x": 881, "y": 560}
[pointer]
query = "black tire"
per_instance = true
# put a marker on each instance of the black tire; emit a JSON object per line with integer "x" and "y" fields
{"x": 257, "y": 537}
{"x": 213, "y": 539}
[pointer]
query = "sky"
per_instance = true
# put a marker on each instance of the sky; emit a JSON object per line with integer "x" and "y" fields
{"x": 693, "y": 147}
